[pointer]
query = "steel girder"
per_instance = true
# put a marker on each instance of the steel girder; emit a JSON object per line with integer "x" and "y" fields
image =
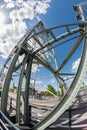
{"x": 31, "y": 53}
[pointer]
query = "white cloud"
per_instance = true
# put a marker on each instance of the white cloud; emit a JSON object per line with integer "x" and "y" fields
{"x": 41, "y": 7}
{"x": 17, "y": 13}
{"x": 10, "y": 5}
{"x": 37, "y": 82}
{"x": 75, "y": 65}
{"x": 10, "y": 35}
{"x": 35, "y": 68}
{"x": 53, "y": 80}
{"x": 7, "y": 1}
{"x": 28, "y": 10}
{"x": 22, "y": 13}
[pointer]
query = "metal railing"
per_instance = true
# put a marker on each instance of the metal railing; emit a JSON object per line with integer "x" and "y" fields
{"x": 77, "y": 107}
{"x": 5, "y": 123}
{"x": 76, "y": 113}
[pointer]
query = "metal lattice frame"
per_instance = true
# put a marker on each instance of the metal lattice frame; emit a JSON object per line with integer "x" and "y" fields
{"x": 32, "y": 48}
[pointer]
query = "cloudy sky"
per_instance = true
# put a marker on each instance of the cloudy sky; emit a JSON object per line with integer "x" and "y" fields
{"x": 18, "y": 16}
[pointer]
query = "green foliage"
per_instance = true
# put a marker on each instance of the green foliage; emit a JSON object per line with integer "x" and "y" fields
{"x": 63, "y": 89}
{"x": 82, "y": 88}
{"x": 11, "y": 90}
{"x": 50, "y": 90}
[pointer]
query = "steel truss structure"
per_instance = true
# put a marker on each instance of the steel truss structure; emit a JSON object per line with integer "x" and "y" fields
{"x": 39, "y": 46}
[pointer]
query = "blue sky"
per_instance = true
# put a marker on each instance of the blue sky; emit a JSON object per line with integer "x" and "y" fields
{"x": 27, "y": 13}
{"x": 18, "y": 16}
{"x": 51, "y": 12}
{"x": 60, "y": 12}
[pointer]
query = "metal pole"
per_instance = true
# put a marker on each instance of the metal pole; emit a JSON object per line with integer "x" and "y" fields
{"x": 70, "y": 116}
{"x": 4, "y": 96}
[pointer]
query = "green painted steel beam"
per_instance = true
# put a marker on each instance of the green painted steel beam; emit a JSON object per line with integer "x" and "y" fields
{"x": 72, "y": 92}
{"x": 4, "y": 96}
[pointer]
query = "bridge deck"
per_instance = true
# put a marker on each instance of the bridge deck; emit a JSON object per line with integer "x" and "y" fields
{"x": 79, "y": 113}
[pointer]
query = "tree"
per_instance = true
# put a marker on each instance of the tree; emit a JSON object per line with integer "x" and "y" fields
{"x": 11, "y": 90}
{"x": 50, "y": 90}
{"x": 63, "y": 89}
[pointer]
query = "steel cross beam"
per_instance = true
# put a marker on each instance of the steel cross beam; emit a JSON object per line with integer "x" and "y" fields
{"x": 25, "y": 72}
{"x": 32, "y": 46}
{"x": 7, "y": 83}
{"x": 72, "y": 92}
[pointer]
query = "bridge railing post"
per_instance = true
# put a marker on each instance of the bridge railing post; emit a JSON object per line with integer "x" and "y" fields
{"x": 29, "y": 113}
{"x": 70, "y": 116}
